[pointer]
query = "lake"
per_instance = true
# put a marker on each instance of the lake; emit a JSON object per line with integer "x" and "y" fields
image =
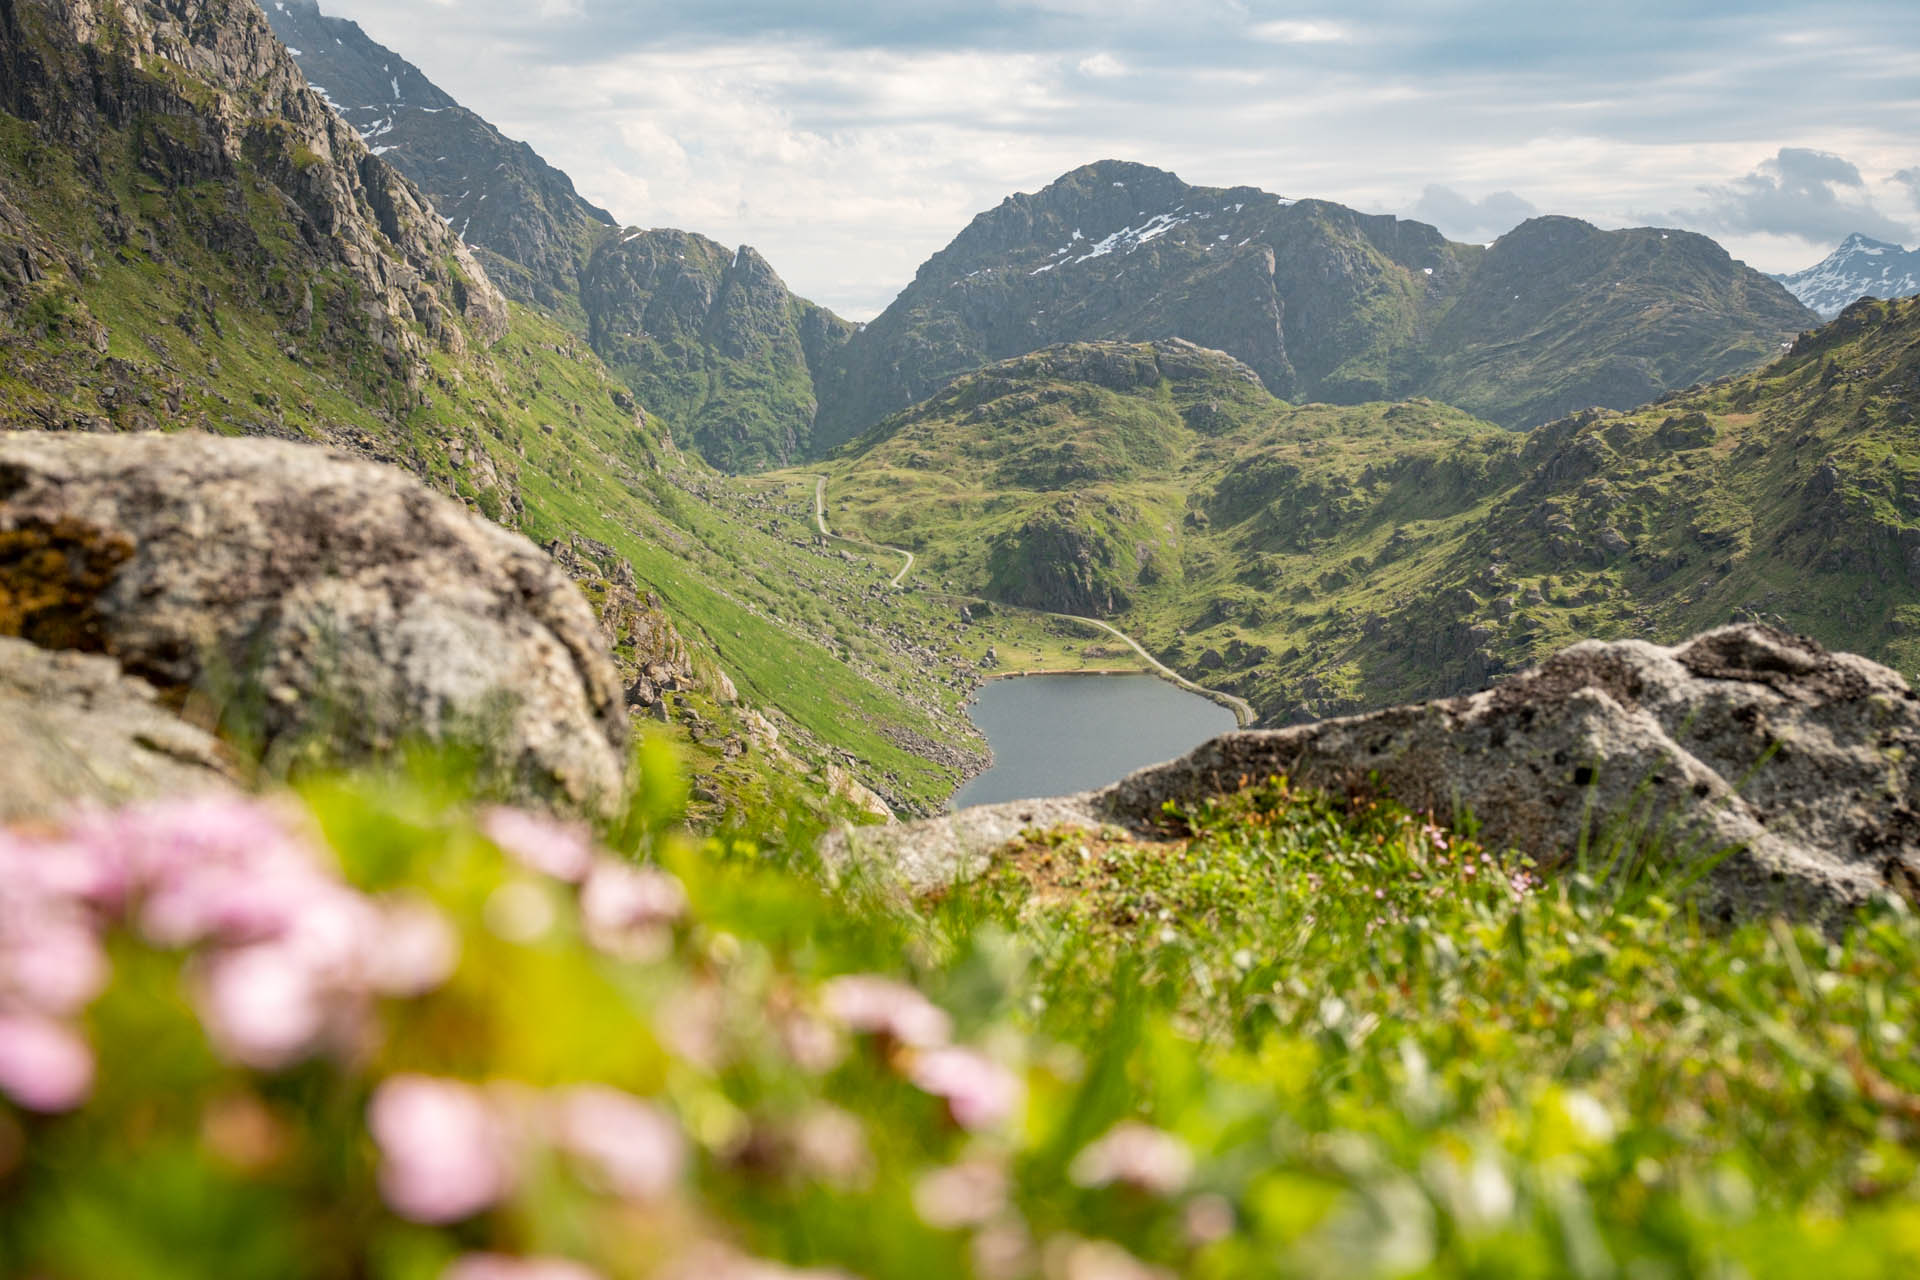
{"x": 1056, "y": 735}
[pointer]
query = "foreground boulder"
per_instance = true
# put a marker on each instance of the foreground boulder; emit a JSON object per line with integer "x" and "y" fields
{"x": 315, "y": 597}
{"x": 77, "y": 731}
{"x": 1801, "y": 762}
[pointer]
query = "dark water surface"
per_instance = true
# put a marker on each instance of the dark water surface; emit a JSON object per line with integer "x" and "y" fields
{"x": 1055, "y": 735}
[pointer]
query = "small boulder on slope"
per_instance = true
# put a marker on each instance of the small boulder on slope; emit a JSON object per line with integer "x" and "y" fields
{"x": 1806, "y": 763}
{"x": 340, "y": 598}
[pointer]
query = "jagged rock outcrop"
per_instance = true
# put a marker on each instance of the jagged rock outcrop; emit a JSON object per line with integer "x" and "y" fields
{"x": 649, "y": 651}
{"x": 324, "y": 597}
{"x": 206, "y": 95}
{"x": 76, "y": 731}
{"x": 1805, "y": 762}
{"x": 711, "y": 339}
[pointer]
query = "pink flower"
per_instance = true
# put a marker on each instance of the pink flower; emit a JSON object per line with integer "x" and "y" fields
{"x": 414, "y": 951}
{"x": 1069, "y": 1259}
{"x": 50, "y": 960}
{"x": 1138, "y": 1155}
{"x": 979, "y": 1092}
{"x": 494, "y": 1266}
{"x": 628, "y": 910}
{"x": 262, "y": 1006}
{"x": 443, "y": 1152}
{"x": 563, "y": 850}
{"x": 961, "y": 1195}
{"x": 630, "y": 1146}
{"x": 44, "y": 1065}
{"x": 880, "y": 1006}
{"x": 713, "y": 1262}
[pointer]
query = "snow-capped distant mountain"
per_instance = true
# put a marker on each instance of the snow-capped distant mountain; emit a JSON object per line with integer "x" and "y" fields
{"x": 1859, "y": 268}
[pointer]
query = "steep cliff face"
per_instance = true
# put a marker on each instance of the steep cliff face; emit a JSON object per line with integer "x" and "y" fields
{"x": 522, "y": 215}
{"x": 1323, "y": 302}
{"x": 204, "y": 100}
{"x": 711, "y": 339}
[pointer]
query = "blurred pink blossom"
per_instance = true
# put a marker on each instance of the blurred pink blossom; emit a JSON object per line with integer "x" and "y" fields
{"x": 620, "y": 899}
{"x": 979, "y": 1092}
{"x": 1137, "y": 1155}
{"x": 50, "y": 960}
{"x": 880, "y": 1006}
{"x": 632, "y": 1146}
{"x": 444, "y": 1154}
{"x": 563, "y": 850}
{"x": 414, "y": 951}
{"x": 263, "y": 1006}
{"x": 494, "y": 1266}
{"x": 961, "y": 1195}
{"x": 713, "y": 1262}
{"x": 44, "y": 1065}
{"x": 1070, "y": 1259}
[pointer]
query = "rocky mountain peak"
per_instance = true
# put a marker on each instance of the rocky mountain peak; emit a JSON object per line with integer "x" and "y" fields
{"x": 1861, "y": 267}
{"x": 1322, "y": 301}
{"x": 524, "y": 216}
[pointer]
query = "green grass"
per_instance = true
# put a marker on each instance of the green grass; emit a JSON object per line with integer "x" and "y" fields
{"x": 1367, "y": 1047}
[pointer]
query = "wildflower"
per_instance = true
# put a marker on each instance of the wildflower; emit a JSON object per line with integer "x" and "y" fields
{"x": 715, "y": 1262}
{"x": 44, "y": 1065}
{"x": 414, "y": 952}
{"x": 494, "y": 1266}
{"x": 443, "y": 1152}
{"x": 1138, "y": 1155}
{"x": 628, "y": 910}
{"x": 830, "y": 1145}
{"x": 961, "y": 1195}
{"x": 1070, "y": 1259}
{"x": 50, "y": 961}
{"x": 563, "y": 850}
{"x": 262, "y": 1006}
{"x": 979, "y": 1092}
{"x": 632, "y": 1147}
{"x": 880, "y": 1006}
{"x": 1207, "y": 1220}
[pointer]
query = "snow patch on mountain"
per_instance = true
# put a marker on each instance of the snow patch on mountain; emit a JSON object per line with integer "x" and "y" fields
{"x": 1859, "y": 268}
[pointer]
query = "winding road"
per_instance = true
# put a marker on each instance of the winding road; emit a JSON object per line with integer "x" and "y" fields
{"x": 1241, "y": 708}
{"x": 820, "y": 519}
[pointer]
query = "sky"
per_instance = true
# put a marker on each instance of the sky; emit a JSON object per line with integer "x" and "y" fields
{"x": 848, "y": 140}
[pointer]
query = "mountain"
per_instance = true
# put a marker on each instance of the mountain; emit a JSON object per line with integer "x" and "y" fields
{"x": 501, "y": 198}
{"x": 1322, "y": 302}
{"x": 1322, "y": 560}
{"x": 1859, "y": 268}
{"x": 711, "y": 339}
{"x": 191, "y": 239}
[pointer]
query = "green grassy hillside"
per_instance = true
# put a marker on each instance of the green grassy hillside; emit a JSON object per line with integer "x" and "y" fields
{"x": 154, "y": 280}
{"x": 1318, "y": 560}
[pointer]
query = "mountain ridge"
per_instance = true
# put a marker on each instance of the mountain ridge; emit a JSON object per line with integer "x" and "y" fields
{"x": 523, "y": 214}
{"x": 1325, "y": 302}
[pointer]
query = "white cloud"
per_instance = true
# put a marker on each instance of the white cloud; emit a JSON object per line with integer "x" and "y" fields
{"x": 1297, "y": 31}
{"x": 850, "y": 142}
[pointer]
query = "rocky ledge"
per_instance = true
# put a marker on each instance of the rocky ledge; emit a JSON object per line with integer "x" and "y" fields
{"x": 1791, "y": 771}
{"x": 307, "y": 599}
